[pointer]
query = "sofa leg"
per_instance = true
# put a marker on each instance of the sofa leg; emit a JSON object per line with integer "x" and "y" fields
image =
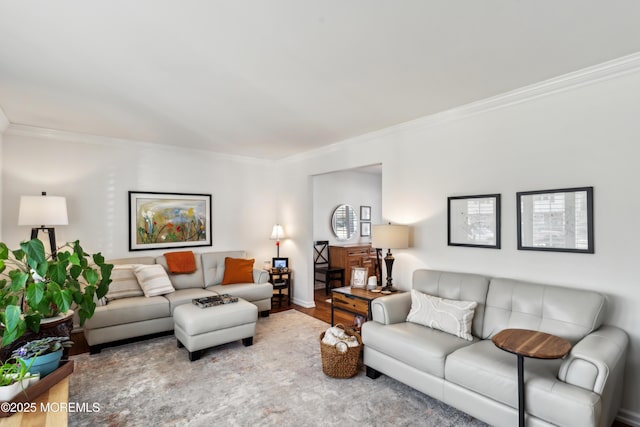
{"x": 264, "y": 313}
{"x": 195, "y": 355}
{"x": 247, "y": 341}
{"x": 95, "y": 349}
{"x": 372, "y": 373}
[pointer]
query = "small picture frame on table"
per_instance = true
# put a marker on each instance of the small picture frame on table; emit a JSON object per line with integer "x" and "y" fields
{"x": 359, "y": 277}
{"x": 280, "y": 264}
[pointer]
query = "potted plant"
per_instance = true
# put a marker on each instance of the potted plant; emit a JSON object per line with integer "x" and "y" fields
{"x": 34, "y": 286}
{"x": 42, "y": 355}
{"x": 14, "y": 375}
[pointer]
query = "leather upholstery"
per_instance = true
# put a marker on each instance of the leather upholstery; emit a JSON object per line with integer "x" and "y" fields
{"x": 184, "y": 281}
{"x": 584, "y": 389}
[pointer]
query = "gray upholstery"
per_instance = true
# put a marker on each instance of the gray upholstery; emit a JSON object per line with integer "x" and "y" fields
{"x": 583, "y": 389}
{"x": 138, "y": 316}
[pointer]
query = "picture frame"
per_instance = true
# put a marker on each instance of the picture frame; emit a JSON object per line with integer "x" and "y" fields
{"x": 365, "y": 213}
{"x": 160, "y": 220}
{"x": 359, "y": 277}
{"x": 365, "y": 229}
{"x": 474, "y": 221}
{"x": 558, "y": 220}
{"x": 280, "y": 263}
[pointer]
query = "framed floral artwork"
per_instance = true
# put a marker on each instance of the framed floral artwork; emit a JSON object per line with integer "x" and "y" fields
{"x": 169, "y": 220}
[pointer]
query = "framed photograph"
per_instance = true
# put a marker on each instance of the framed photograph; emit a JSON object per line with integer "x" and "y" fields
{"x": 359, "y": 277}
{"x": 474, "y": 221}
{"x": 280, "y": 263}
{"x": 365, "y": 213}
{"x": 169, "y": 220}
{"x": 556, "y": 220}
{"x": 365, "y": 229}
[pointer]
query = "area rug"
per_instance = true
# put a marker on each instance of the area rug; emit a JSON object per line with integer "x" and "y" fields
{"x": 276, "y": 381}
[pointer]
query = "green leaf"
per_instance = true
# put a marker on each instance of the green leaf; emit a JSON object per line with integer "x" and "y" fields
{"x": 18, "y": 254}
{"x": 35, "y": 252}
{"x": 18, "y": 280}
{"x": 35, "y": 292}
{"x": 2, "y": 266}
{"x": 74, "y": 259}
{"x": 98, "y": 259}
{"x": 4, "y": 251}
{"x": 14, "y": 324}
{"x": 91, "y": 276}
{"x": 63, "y": 300}
{"x": 75, "y": 271}
{"x": 57, "y": 272}
{"x": 33, "y": 322}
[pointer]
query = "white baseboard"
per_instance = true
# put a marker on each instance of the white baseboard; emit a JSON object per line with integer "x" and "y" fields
{"x": 629, "y": 417}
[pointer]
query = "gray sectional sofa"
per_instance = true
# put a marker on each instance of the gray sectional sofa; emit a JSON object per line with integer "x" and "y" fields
{"x": 583, "y": 389}
{"x": 138, "y": 316}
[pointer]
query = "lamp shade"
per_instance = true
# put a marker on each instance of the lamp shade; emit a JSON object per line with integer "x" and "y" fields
{"x": 277, "y": 233}
{"x": 388, "y": 236}
{"x": 43, "y": 210}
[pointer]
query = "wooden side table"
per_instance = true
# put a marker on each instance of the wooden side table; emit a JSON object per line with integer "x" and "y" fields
{"x": 281, "y": 279}
{"x": 526, "y": 343}
{"x": 353, "y": 300}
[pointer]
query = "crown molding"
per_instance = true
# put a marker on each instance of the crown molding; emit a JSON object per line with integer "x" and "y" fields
{"x": 84, "y": 138}
{"x": 587, "y": 76}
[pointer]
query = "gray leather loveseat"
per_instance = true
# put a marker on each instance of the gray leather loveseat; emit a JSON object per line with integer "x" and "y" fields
{"x": 583, "y": 389}
{"x": 137, "y": 316}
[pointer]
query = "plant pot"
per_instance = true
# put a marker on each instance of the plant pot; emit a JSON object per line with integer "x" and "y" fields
{"x": 8, "y": 391}
{"x": 45, "y": 364}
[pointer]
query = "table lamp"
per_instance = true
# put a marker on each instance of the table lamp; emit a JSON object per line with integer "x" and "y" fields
{"x": 276, "y": 234}
{"x": 391, "y": 237}
{"x": 43, "y": 211}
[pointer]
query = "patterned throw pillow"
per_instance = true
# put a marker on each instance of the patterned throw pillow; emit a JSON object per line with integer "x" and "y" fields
{"x": 453, "y": 317}
{"x": 153, "y": 280}
{"x": 124, "y": 283}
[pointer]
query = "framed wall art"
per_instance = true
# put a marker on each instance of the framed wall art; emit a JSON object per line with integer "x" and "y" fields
{"x": 474, "y": 221}
{"x": 169, "y": 220}
{"x": 556, "y": 220}
{"x": 365, "y": 213}
{"x": 365, "y": 229}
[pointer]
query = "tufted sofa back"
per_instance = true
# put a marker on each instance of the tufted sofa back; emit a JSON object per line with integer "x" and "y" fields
{"x": 213, "y": 265}
{"x": 455, "y": 286}
{"x": 565, "y": 312}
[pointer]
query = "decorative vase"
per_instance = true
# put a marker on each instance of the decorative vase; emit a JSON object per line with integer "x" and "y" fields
{"x": 45, "y": 364}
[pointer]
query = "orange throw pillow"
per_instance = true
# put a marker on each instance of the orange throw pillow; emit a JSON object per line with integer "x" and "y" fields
{"x": 180, "y": 262}
{"x": 237, "y": 270}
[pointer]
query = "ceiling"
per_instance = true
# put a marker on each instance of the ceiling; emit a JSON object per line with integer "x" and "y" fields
{"x": 273, "y": 78}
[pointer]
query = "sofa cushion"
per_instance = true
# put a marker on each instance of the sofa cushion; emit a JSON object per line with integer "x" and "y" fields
{"x": 485, "y": 369}
{"x": 153, "y": 280}
{"x": 455, "y": 286}
{"x": 184, "y": 280}
{"x": 246, "y": 291}
{"x": 213, "y": 265}
{"x": 565, "y": 312}
{"x": 451, "y": 316}
{"x": 237, "y": 270}
{"x": 124, "y": 283}
{"x": 422, "y": 348}
{"x": 184, "y": 296}
{"x": 128, "y": 310}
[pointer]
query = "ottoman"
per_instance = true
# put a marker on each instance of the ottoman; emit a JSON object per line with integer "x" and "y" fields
{"x": 200, "y": 328}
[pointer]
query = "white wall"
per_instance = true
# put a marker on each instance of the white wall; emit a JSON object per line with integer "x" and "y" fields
{"x": 95, "y": 174}
{"x": 586, "y": 135}
{"x": 4, "y": 123}
{"x": 345, "y": 187}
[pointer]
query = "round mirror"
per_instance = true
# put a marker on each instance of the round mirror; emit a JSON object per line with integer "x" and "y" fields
{"x": 344, "y": 222}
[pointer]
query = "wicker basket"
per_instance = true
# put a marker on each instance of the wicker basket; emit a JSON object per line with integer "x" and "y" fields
{"x": 340, "y": 365}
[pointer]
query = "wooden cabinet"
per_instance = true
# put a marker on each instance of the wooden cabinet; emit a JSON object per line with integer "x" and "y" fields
{"x": 348, "y": 256}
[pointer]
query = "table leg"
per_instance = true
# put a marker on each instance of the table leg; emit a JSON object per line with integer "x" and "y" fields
{"x": 521, "y": 408}
{"x": 332, "y": 311}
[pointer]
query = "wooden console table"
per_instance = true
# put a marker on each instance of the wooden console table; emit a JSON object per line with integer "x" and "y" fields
{"x": 353, "y": 300}
{"x": 526, "y": 343}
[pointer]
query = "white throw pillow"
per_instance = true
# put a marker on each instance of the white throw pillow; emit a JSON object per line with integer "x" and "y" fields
{"x": 124, "y": 283}
{"x": 453, "y": 317}
{"x": 153, "y": 280}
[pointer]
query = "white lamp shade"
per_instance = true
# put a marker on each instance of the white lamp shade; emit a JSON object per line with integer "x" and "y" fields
{"x": 277, "y": 233}
{"x": 43, "y": 210}
{"x": 388, "y": 236}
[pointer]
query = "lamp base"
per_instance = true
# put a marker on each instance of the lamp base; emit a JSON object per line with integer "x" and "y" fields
{"x": 389, "y": 289}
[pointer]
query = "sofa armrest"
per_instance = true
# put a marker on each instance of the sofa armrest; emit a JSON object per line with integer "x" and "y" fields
{"x": 260, "y": 276}
{"x": 594, "y": 358}
{"x": 391, "y": 309}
